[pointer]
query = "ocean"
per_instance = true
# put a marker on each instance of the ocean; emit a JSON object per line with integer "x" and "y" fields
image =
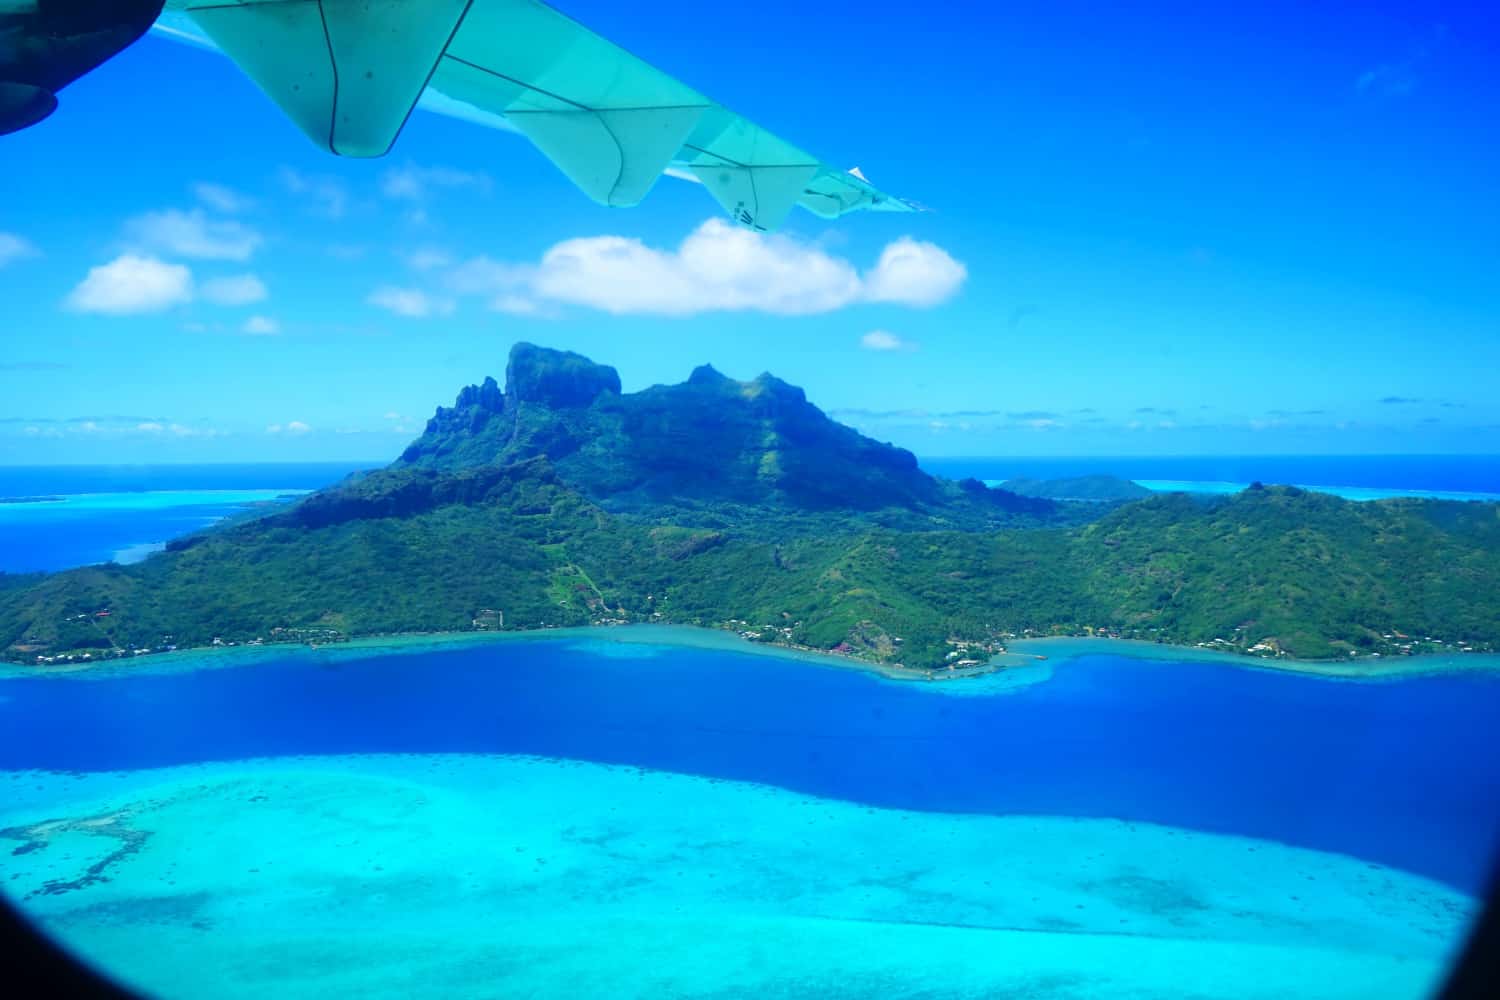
{"x": 565, "y": 816}
{"x": 573, "y": 815}
{"x": 1355, "y": 477}
{"x": 80, "y": 515}
{"x": 1306, "y": 761}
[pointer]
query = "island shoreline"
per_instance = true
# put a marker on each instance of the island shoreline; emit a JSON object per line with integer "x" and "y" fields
{"x": 641, "y": 633}
{"x": 1019, "y": 655}
{"x": 1366, "y": 668}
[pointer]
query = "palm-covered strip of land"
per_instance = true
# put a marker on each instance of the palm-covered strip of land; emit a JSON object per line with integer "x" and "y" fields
{"x": 560, "y": 500}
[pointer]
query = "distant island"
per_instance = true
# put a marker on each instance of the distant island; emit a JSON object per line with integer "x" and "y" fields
{"x": 559, "y": 500}
{"x": 43, "y": 499}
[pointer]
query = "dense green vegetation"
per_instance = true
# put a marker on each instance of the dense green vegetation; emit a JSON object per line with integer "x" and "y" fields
{"x": 562, "y": 502}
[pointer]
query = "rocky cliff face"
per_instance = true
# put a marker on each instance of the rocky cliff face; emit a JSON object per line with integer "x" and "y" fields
{"x": 556, "y": 379}
{"x": 762, "y": 441}
{"x": 709, "y": 439}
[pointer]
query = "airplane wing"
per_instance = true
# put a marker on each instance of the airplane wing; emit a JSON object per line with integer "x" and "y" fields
{"x": 350, "y": 72}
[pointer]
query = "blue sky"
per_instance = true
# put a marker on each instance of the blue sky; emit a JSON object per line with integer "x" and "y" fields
{"x": 1266, "y": 230}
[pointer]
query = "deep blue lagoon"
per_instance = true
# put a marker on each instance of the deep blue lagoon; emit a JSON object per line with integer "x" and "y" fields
{"x": 1406, "y": 773}
{"x": 671, "y": 816}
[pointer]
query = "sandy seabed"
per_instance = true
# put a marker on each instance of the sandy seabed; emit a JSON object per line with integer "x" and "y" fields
{"x": 498, "y": 876}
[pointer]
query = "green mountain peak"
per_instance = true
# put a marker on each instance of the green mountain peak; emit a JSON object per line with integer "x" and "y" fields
{"x": 710, "y": 438}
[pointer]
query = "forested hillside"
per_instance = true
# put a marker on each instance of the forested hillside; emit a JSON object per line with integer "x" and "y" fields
{"x": 560, "y": 501}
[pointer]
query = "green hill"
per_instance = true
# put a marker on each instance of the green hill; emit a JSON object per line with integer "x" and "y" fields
{"x": 562, "y": 501}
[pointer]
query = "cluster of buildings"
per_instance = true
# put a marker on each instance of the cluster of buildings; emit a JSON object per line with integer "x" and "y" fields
{"x": 115, "y": 653}
{"x": 489, "y": 618}
{"x": 970, "y": 653}
{"x": 771, "y": 633}
{"x": 1407, "y": 645}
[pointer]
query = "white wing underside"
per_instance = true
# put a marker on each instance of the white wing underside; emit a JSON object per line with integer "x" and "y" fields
{"x": 350, "y": 72}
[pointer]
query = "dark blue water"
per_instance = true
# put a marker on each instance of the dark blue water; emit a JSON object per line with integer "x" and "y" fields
{"x": 1446, "y": 473}
{"x": 82, "y": 538}
{"x": 1404, "y": 773}
{"x": 57, "y": 537}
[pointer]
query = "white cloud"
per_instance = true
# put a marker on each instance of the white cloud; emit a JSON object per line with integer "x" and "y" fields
{"x": 517, "y": 305}
{"x": 1401, "y": 77}
{"x": 718, "y": 267}
{"x": 194, "y": 234}
{"x": 176, "y": 430}
{"x": 428, "y": 259}
{"x": 486, "y": 276}
{"x": 1394, "y": 80}
{"x": 14, "y": 248}
{"x": 882, "y": 340}
{"x": 413, "y": 183}
{"x": 132, "y": 284}
{"x": 325, "y": 196}
{"x": 290, "y": 427}
{"x": 236, "y": 290}
{"x": 914, "y": 273}
{"x": 116, "y": 427}
{"x": 410, "y": 302}
{"x": 221, "y": 198}
{"x": 179, "y": 430}
{"x": 261, "y": 326}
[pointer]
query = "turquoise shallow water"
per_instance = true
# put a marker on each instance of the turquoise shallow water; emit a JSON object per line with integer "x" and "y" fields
{"x": 1391, "y": 772}
{"x": 473, "y": 875}
{"x": 581, "y": 816}
{"x": 138, "y": 501}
